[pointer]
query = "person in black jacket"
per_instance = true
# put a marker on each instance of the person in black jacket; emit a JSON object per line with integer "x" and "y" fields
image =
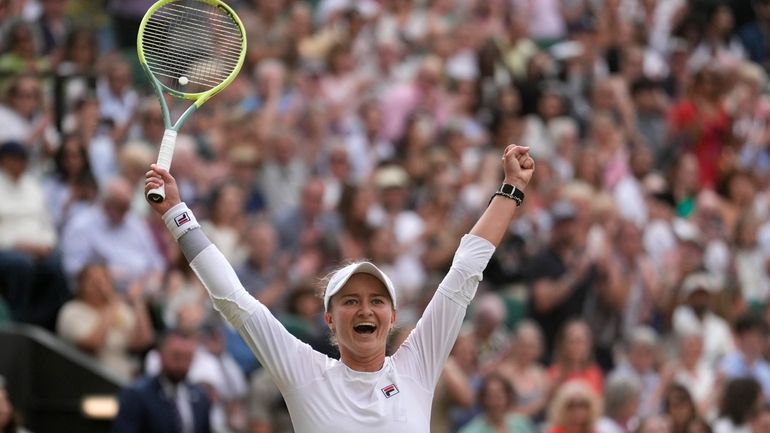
{"x": 166, "y": 403}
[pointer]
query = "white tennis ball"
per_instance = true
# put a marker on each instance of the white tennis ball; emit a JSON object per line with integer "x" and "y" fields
{"x": 183, "y": 80}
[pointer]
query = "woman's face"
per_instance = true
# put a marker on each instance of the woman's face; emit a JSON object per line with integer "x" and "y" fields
{"x": 578, "y": 412}
{"x": 528, "y": 345}
{"x": 679, "y": 408}
{"x": 495, "y": 399}
{"x": 96, "y": 286}
{"x": 361, "y": 316}
{"x": 72, "y": 157}
{"x": 577, "y": 343}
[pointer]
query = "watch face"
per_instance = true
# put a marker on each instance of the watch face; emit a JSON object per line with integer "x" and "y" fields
{"x": 506, "y": 188}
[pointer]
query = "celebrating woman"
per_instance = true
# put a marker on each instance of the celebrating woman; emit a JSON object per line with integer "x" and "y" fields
{"x": 364, "y": 390}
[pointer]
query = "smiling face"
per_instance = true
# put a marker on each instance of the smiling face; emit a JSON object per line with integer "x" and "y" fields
{"x": 361, "y": 316}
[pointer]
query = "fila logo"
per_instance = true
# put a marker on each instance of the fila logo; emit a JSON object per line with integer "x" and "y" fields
{"x": 182, "y": 219}
{"x": 390, "y": 390}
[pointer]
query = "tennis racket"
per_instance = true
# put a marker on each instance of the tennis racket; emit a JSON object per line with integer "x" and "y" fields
{"x": 189, "y": 49}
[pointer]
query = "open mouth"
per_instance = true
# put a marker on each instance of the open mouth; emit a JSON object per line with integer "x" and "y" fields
{"x": 365, "y": 328}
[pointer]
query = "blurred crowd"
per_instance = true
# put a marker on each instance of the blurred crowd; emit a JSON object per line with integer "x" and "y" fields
{"x": 631, "y": 294}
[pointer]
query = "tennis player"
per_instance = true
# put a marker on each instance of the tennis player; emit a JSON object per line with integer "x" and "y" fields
{"x": 365, "y": 391}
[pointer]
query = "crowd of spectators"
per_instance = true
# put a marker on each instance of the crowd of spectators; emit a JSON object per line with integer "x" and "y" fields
{"x": 631, "y": 294}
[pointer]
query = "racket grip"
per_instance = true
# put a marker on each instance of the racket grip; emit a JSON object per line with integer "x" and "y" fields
{"x": 157, "y": 195}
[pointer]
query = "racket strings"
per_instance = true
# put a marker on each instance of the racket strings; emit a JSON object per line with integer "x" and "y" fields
{"x": 194, "y": 40}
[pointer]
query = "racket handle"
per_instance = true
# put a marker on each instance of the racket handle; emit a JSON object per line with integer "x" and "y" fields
{"x": 165, "y": 154}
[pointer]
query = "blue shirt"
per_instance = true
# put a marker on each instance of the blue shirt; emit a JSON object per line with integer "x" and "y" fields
{"x": 734, "y": 365}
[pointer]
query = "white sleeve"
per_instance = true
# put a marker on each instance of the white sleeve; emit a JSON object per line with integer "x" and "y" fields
{"x": 289, "y": 360}
{"x": 425, "y": 351}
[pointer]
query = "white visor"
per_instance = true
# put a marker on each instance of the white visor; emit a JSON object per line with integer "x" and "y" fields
{"x": 338, "y": 280}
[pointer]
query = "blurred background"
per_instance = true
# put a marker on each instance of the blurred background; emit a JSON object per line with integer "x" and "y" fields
{"x": 631, "y": 294}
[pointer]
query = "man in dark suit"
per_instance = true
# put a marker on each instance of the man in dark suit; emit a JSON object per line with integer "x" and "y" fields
{"x": 166, "y": 403}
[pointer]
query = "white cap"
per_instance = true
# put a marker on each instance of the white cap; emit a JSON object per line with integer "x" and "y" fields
{"x": 338, "y": 280}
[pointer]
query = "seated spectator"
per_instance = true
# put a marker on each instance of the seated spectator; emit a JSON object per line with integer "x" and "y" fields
{"x": 267, "y": 409}
{"x": 639, "y": 365}
{"x": 622, "y": 396}
{"x": 522, "y": 369}
{"x": 748, "y": 360}
{"x": 166, "y": 402}
{"x": 264, "y": 272}
{"x": 225, "y": 221}
{"x": 573, "y": 359}
{"x": 101, "y": 323}
{"x": 575, "y": 408}
{"x": 741, "y": 400}
{"x": 761, "y": 422}
{"x": 31, "y": 276}
{"x": 496, "y": 397}
{"x": 71, "y": 188}
{"x": 218, "y": 373}
{"x": 696, "y": 312}
{"x": 110, "y": 233}
{"x": 690, "y": 369}
{"x": 679, "y": 406}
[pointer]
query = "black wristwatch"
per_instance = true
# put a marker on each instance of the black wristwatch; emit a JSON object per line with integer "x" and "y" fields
{"x": 509, "y": 191}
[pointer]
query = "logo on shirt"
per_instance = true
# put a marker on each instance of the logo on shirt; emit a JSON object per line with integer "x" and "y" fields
{"x": 390, "y": 390}
{"x": 182, "y": 219}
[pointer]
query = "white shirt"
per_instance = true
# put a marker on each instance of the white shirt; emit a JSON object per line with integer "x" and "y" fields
{"x": 323, "y": 394}
{"x": 717, "y": 337}
{"x": 24, "y": 216}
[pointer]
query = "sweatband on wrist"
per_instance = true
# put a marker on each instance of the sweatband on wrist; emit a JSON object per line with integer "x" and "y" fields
{"x": 180, "y": 220}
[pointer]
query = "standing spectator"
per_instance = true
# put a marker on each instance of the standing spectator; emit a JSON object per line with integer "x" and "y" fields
{"x": 575, "y": 408}
{"x": 496, "y": 397}
{"x": 105, "y": 325}
{"x": 166, "y": 402}
{"x": 30, "y": 266}
{"x": 110, "y": 233}
{"x": 560, "y": 275}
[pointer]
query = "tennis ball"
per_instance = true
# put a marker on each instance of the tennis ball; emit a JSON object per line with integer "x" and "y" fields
{"x": 183, "y": 80}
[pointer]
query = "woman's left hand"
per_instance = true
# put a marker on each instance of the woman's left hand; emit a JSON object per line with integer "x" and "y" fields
{"x": 518, "y": 166}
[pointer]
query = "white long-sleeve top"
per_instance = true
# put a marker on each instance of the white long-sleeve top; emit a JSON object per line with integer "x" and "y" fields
{"x": 323, "y": 395}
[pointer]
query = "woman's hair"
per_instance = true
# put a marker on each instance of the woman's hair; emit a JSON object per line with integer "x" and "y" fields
{"x": 86, "y": 174}
{"x": 619, "y": 392}
{"x": 677, "y": 388}
{"x": 510, "y": 392}
{"x": 561, "y": 342}
{"x": 739, "y": 400}
{"x": 569, "y": 392}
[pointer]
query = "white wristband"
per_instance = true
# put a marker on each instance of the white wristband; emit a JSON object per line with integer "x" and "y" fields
{"x": 180, "y": 220}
